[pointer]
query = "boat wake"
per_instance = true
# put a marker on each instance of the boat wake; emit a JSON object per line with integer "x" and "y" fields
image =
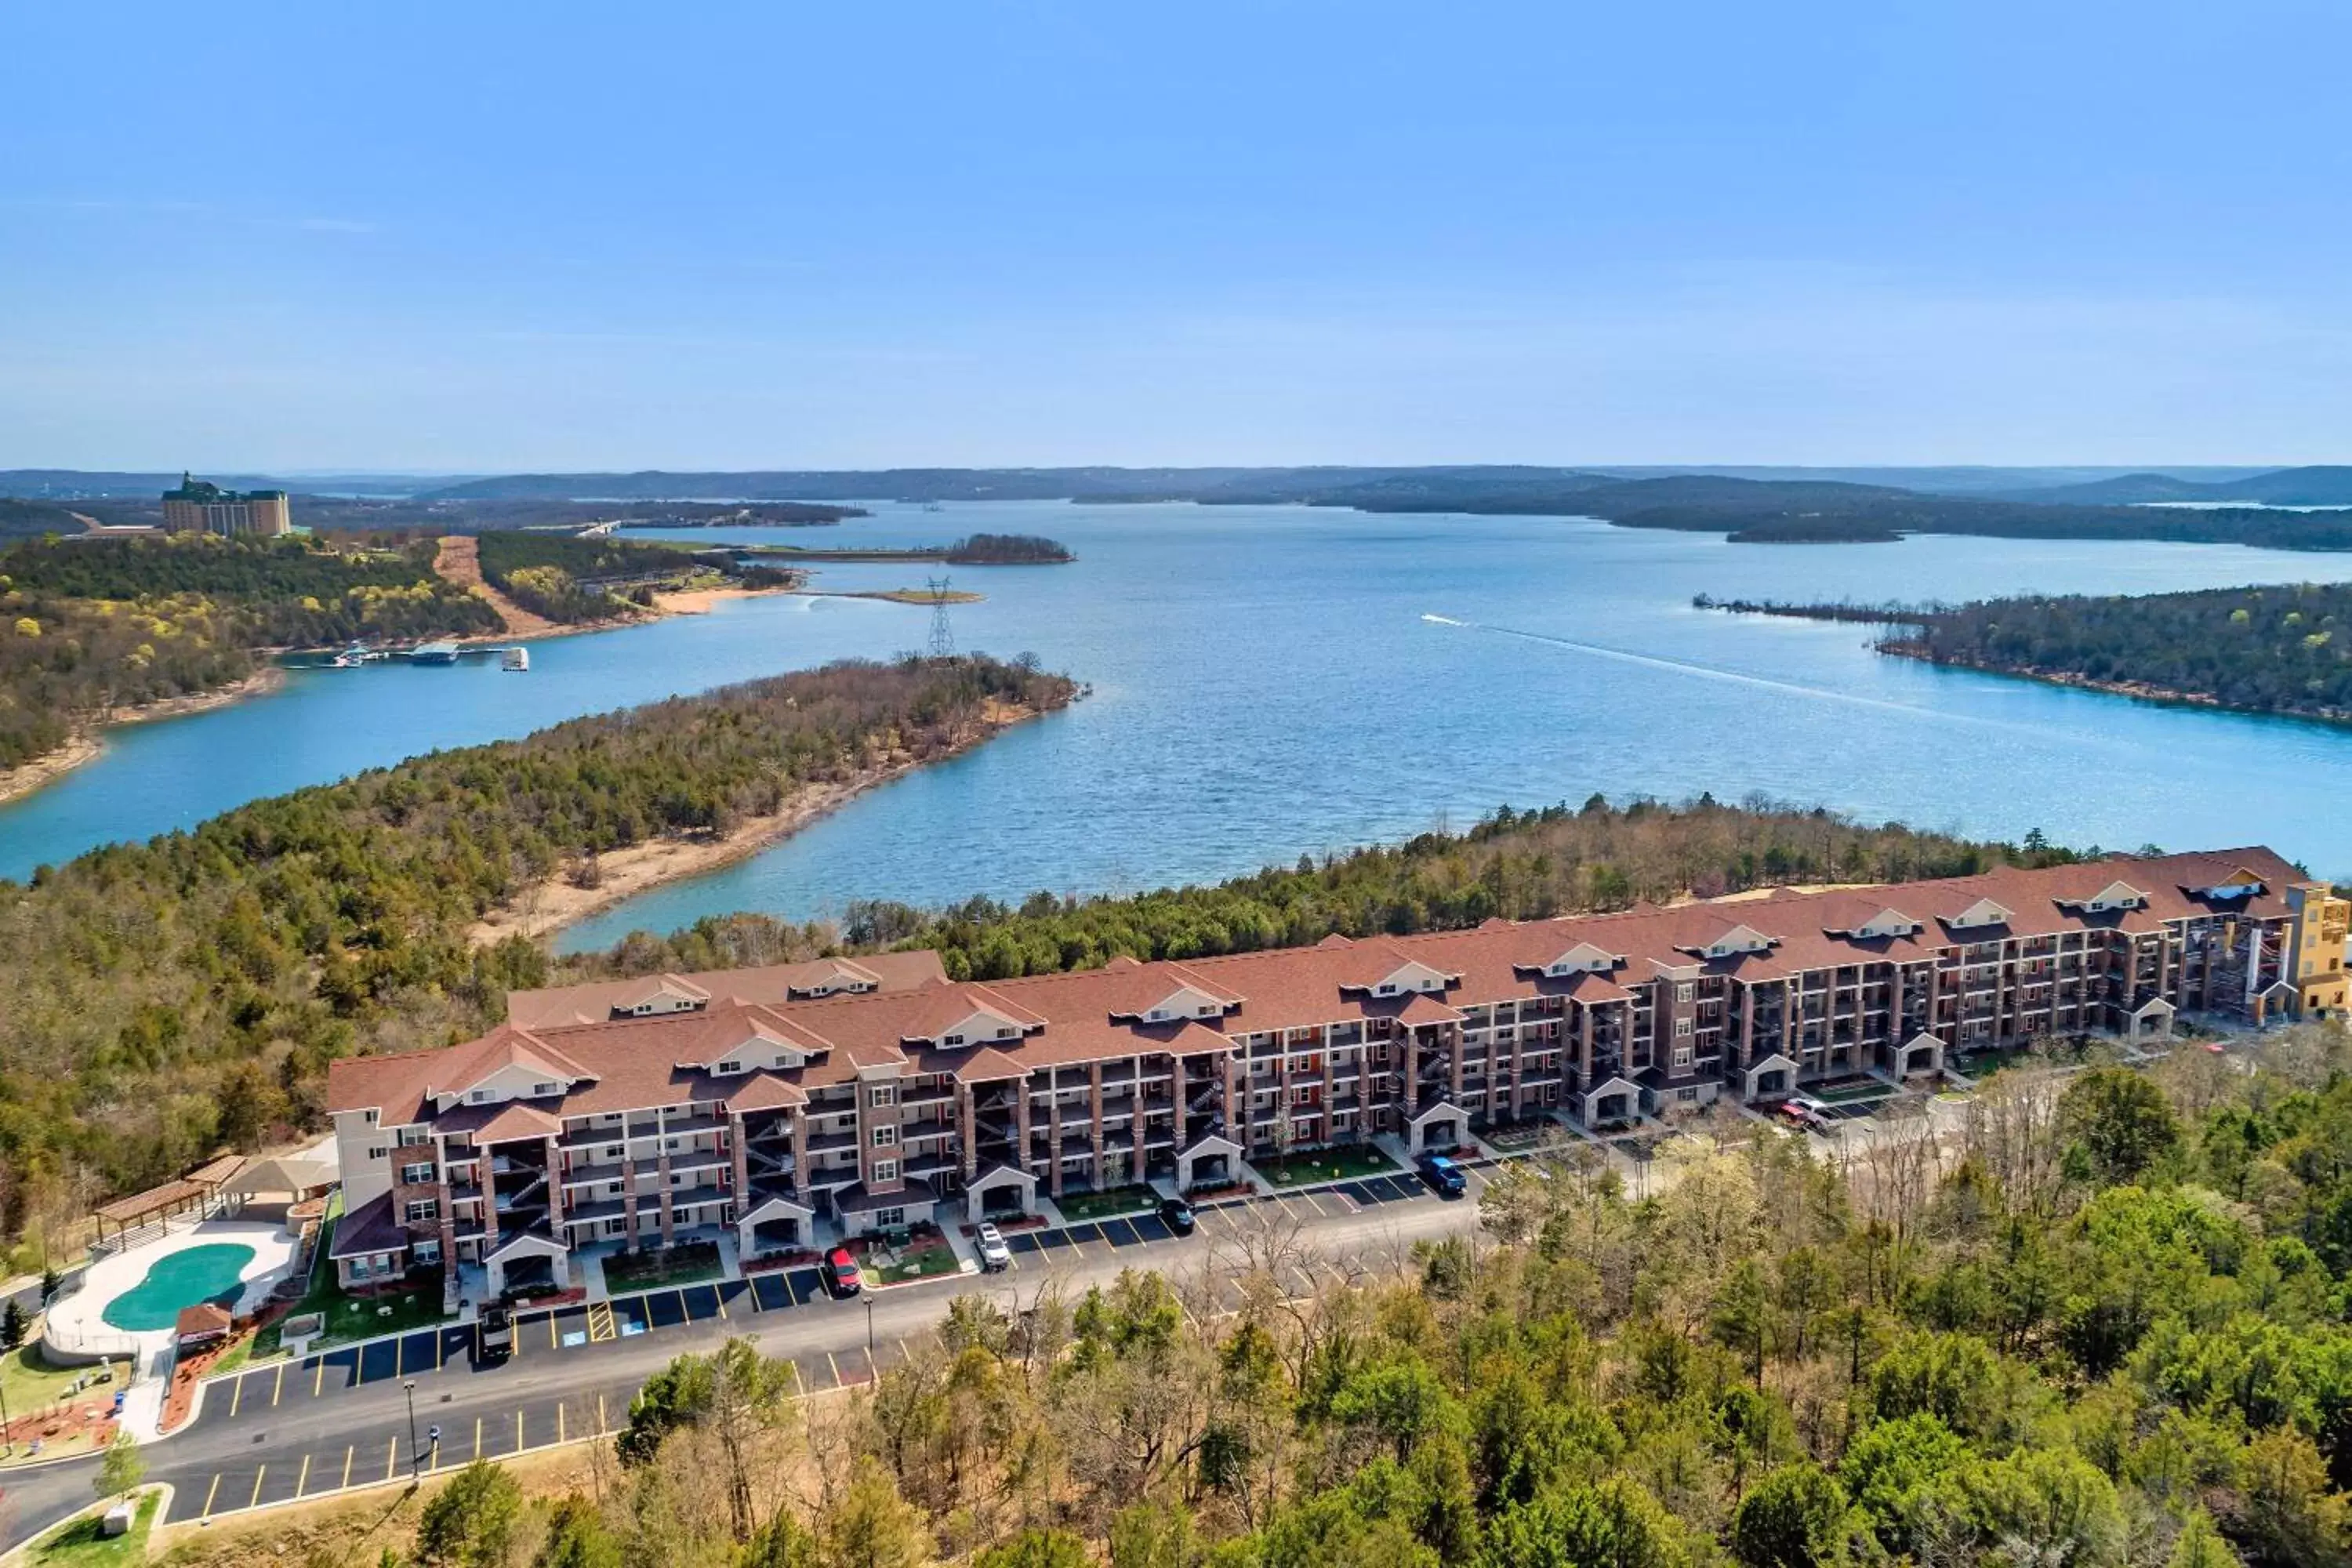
{"x": 1740, "y": 678}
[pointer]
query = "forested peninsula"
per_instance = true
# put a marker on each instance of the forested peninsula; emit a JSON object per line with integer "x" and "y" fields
{"x": 93, "y": 629}
{"x": 173, "y": 997}
{"x": 2285, "y": 649}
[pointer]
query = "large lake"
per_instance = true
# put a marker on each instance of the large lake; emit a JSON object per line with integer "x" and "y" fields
{"x": 1267, "y": 682}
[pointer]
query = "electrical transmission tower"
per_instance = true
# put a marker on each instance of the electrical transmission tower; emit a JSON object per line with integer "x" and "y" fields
{"x": 942, "y": 634}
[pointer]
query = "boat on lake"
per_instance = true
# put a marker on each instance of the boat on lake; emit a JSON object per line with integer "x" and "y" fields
{"x": 434, "y": 653}
{"x": 515, "y": 659}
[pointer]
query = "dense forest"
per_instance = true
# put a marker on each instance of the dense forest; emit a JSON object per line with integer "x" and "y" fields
{"x": 88, "y": 626}
{"x": 2286, "y": 649}
{"x": 572, "y": 579}
{"x": 1517, "y": 864}
{"x": 168, "y": 998}
{"x": 1007, "y": 550}
{"x": 2096, "y": 1322}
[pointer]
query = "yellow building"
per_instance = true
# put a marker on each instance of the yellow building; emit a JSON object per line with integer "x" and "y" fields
{"x": 198, "y": 507}
{"x": 2316, "y": 960}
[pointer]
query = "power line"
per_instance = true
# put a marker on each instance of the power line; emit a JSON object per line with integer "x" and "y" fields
{"x": 942, "y": 634}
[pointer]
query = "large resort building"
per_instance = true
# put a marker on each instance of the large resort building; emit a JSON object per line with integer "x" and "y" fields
{"x": 769, "y": 1108}
{"x": 199, "y": 507}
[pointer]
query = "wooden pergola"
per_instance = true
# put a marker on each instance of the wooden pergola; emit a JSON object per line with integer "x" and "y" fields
{"x": 194, "y": 1190}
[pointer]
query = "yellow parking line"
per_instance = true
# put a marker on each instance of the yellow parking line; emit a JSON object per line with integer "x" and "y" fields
{"x": 599, "y": 1413}
{"x": 319, "y": 1384}
{"x": 255, "y": 1502}
{"x": 800, "y": 1390}
{"x": 836, "y": 1368}
{"x": 558, "y": 1423}
{"x": 478, "y": 1437}
{"x": 304, "y": 1478}
{"x": 440, "y": 1352}
{"x": 432, "y": 1456}
{"x": 518, "y": 1431}
{"x": 400, "y": 1357}
{"x": 720, "y": 1297}
{"x": 208, "y": 1497}
{"x": 551, "y": 1331}
{"x": 904, "y": 1354}
{"x": 1318, "y": 1202}
{"x": 236, "y": 1396}
{"x": 277, "y": 1387}
{"x": 348, "y": 1452}
{"x": 391, "y": 1457}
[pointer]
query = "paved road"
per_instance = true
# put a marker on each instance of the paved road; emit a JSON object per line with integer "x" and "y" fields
{"x": 304, "y": 1428}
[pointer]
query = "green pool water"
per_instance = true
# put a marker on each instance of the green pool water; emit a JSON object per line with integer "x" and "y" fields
{"x": 178, "y": 1281}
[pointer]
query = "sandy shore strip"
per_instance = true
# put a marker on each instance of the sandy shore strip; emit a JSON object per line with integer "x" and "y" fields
{"x": 88, "y": 744}
{"x": 702, "y": 601}
{"x": 625, "y": 873}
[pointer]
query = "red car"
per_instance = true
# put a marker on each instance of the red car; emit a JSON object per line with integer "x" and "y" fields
{"x": 841, "y": 1275}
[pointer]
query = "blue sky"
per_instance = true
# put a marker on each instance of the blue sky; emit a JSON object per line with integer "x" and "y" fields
{"x": 496, "y": 236}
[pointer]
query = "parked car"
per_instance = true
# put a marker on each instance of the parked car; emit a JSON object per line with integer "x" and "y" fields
{"x": 1442, "y": 1174}
{"x": 994, "y": 1253}
{"x": 496, "y": 1336}
{"x": 1177, "y": 1215}
{"x": 841, "y": 1275}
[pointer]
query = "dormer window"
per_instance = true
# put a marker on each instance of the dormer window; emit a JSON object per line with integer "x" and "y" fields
{"x": 477, "y": 1095}
{"x": 1006, "y": 1032}
{"x": 950, "y": 1039}
{"x": 728, "y": 1066}
{"x": 1156, "y": 1014}
{"x": 546, "y": 1088}
{"x": 1385, "y": 988}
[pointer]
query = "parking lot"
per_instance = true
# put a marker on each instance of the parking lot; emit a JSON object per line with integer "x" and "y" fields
{"x": 285, "y": 1415}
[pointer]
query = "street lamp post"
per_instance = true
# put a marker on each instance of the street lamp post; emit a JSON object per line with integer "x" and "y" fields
{"x": 408, "y": 1386}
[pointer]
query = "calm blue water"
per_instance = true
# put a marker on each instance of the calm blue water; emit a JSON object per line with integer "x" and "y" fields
{"x": 1265, "y": 684}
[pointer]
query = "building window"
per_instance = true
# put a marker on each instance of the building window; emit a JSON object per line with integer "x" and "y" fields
{"x": 1682, "y": 1028}
{"x": 1683, "y": 992}
{"x": 410, "y": 1137}
{"x": 546, "y": 1088}
{"x": 890, "y": 1219}
{"x": 1686, "y": 1095}
{"x": 428, "y": 1252}
{"x": 886, "y": 1137}
{"x": 886, "y": 1169}
{"x": 417, "y": 1175}
{"x": 882, "y": 1094}
{"x": 423, "y": 1211}
{"x": 368, "y": 1117}
{"x": 950, "y": 1039}
{"x": 731, "y": 1067}
{"x": 378, "y": 1151}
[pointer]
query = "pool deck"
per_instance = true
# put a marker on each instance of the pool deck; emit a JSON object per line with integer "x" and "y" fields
{"x": 76, "y": 1324}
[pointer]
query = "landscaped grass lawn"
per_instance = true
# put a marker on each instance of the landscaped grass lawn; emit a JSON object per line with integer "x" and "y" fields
{"x": 80, "y": 1543}
{"x": 690, "y": 1263}
{"x": 1344, "y": 1163}
{"x": 32, "y": 1384}
{"x": 1078, "y": 1207}
{"x": 919, "y": 1259}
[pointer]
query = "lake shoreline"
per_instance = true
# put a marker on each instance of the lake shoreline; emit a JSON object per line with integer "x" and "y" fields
{"x": 2141, "y": 691}
{"x": 556, "y": 903}
{"x": 88, "y": 741}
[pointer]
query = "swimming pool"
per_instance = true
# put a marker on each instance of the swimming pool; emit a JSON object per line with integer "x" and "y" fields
{"x": 178, "y": 1280}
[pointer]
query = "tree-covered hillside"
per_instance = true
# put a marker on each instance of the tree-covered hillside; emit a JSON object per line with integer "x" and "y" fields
{"x": 170, "y": 996}
{"x": 90, "y": 625}
{"x": 2281, "y": 650}
{"x": 1516, "y": 865}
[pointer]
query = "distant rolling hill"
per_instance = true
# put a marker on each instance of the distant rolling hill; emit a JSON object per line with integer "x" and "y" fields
{"x": 2317, "y": 485}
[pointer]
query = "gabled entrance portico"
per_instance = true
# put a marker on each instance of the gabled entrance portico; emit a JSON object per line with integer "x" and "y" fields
{"x": 1440, "y": 1127}
{"x": 1920, "y": 1054}
{"x": 1613, "y": 1100}
{"x": 525, "y": 1247}
{"x": 1774, "y": 1078}
{"x": 1211, "y": 1159}
{"x": 779, "y": 1224}
{"x": 998, "y": 1191}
